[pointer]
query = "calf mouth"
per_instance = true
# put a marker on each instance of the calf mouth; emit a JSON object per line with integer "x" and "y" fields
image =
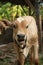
{"x": 21, "y": 41}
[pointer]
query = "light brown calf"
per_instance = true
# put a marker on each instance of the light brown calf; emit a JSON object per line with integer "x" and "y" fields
{"x": 25, "y": 35}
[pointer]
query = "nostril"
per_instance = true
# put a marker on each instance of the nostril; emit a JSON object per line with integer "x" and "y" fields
{"x": 20, "y": 36}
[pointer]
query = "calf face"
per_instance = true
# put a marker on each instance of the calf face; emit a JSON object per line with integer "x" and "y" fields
{"x": 20, "y": 29}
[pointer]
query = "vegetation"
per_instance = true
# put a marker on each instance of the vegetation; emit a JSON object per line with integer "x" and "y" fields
{"x": 10, "y": 12}
{"x": 7, "y": 61}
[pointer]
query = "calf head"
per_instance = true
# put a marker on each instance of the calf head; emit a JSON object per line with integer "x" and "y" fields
{"x": 20, "y": 29}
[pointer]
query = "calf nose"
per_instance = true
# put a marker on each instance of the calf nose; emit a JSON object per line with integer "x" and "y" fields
{"x": 21, "y": 36}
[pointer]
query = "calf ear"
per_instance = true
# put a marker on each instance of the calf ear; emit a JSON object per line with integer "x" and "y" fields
{"x": 2, "y": 24}
{"x": 7, "y": 22}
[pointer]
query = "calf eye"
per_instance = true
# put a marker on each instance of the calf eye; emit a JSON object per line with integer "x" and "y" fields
{"x": 14, "y": 26}
{"x": 27, "y": 26}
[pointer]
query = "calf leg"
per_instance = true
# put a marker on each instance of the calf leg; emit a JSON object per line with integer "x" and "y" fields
{"x": 32, "y": 56}
{"x": 22, "y": 59}
{"x": 36, "y": 48}
{"x": 27, "y": 50}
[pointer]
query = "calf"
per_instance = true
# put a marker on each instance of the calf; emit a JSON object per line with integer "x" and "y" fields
{"x": 25, "y": 35}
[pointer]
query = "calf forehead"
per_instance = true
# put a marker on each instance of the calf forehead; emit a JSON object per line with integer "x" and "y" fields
{"x": 20, "y": 19}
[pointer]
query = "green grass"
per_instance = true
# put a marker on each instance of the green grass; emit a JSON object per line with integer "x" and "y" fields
{"x": 6, "y": 61}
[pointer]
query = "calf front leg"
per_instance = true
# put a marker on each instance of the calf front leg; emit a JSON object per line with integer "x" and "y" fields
{"x": 36, "y": 48}
{"x": 22, "y": 59}
{"x": 32, "y": 56}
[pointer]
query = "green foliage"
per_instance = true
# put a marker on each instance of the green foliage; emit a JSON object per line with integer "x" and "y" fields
{"x": 10, "y": 12}
{"x": 5, "y": 11}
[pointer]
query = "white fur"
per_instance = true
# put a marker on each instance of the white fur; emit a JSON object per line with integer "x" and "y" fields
{"x": 26, "y": 50}
{"x": 36, "y": 48}
{"x": 20, "y": 19}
